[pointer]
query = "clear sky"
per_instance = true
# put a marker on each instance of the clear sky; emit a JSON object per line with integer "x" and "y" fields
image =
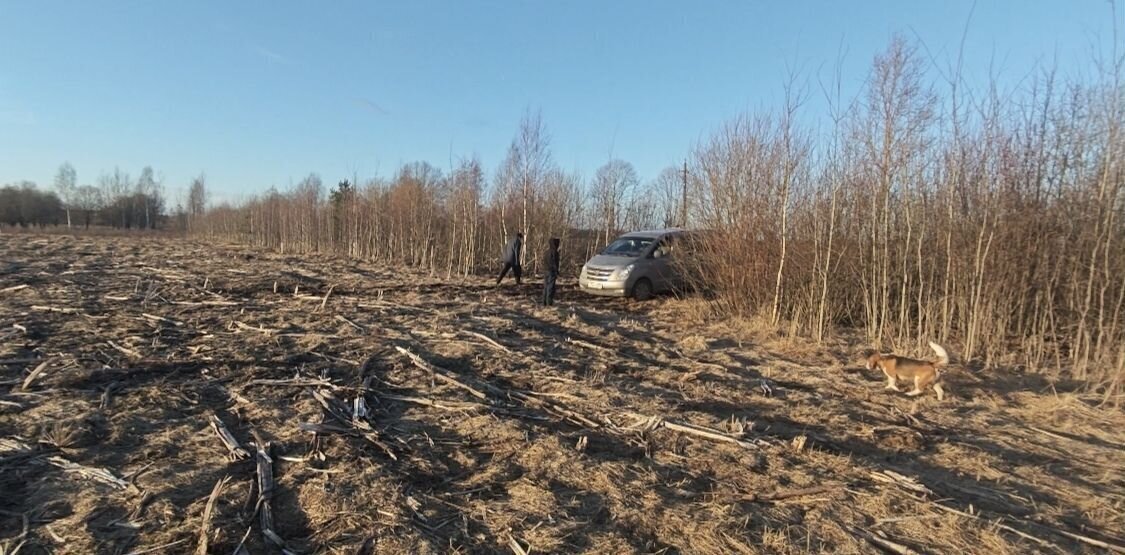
{"x": 262, "y": 93}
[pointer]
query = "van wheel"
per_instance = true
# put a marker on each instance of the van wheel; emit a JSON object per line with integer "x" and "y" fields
{"x": 642, "y": 290}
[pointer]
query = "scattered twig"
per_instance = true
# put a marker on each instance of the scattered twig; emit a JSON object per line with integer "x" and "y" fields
{"x": 388, "y": 304}
{"x": 790, "y": 494}
{"x": 1091, "y": 541}
{"x": 100, "y": 475}
{"x": 884, "y": 543}
{"x": 443, "y": 405}
{"x": 205, "y": 303}
{"x": 516, "y": 547}
{"x": 325, "y": 301}
{"x": 914, "y": 486}
{"x": 14, "y": 288}
{"x": 236, "y": 452}
{"x": 440, "y": 373}
{"x": 156, "y": 318}
{"x": 125, "y": 350}
{"x": 157, "y": 548}
{"x": 904, "y": 482}
{"x": 295, "y": 382}
{"x": 61, "y": 310}
{"x": 883, "y": 521}
{"x": 526, "y": 399}
{"x": 89, "y": 472}
{"x": 205, "y": 526}
{"x": 653, "y": 422}
{"x": 488, "y": 340}
{"x": 358, "y": 327}
{"x": 265, "y": 492}
{"x": 1005, "y": 527}
{"x": 498, "y": 393}
{"x": 588, "y": 345}
{"x": 339, "y": 411}
{"x": 35, "y": 374}
{"x": 244, "y": 326}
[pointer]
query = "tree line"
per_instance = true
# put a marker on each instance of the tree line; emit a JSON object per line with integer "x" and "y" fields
{"x": 452, "y": 222}
{"x": 117, "y": 200}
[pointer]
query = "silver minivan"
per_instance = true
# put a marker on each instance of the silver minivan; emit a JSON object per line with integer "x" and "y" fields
{"x": 638, "y": 265}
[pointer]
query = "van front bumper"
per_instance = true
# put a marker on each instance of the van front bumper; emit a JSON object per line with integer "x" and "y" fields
{"x": 603, "y": 288}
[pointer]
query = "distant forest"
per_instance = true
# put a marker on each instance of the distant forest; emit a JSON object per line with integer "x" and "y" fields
{"x": 116, "y": 201}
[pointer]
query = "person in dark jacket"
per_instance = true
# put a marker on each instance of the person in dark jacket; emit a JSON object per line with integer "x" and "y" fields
{"x": 551, "y": 263}
{"x": 511, "y": 259}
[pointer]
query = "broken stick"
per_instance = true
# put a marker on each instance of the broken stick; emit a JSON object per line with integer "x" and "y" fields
{"x": 89, "y": 472}
{"x": 488, "y": 340}
{"x": 236, "y": 452}
{"x": 654, "y": 422}
{"x": 265, "y": 492}
{"x": 338, "y": 411}
{"x": 350, "y": 323}
{"x": 884, "y": 543}
{"x": 35, "y": 374}
{"x": 326, "y": 295}
{"x": 125, "y": 350}
{"x": 439, "y": 373}
{"x": 156, "y": 318}
{"x": 244, "y": 326}
{"x": 63, "y": 310}
{"x": 205, "y": 526}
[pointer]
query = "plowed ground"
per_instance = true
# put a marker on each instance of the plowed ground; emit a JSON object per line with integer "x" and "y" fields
{"x": 597, "y": 426}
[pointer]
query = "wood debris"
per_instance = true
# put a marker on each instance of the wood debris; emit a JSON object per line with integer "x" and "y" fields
{"x": 31, "y": 377}
{"x": 265, "y": 493}
{"x": 205, "y": 524}
{"x": 91, "y": 473}
{"x": 234, "y": 450}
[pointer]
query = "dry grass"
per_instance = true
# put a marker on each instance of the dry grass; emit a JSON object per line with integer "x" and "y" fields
{"x": 1007, "y": 449}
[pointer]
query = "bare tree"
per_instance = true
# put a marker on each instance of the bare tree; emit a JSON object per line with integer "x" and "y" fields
{"x": 523, "y": 172}
{"x": 88, "y": 199}
{"x": 148, "y": 199}
{"x": 197, "y": 199}
{"x": 116, "y": 188}
{"x": 614, "y": 183}
{"x": 667, "y": 192}
{"x": 65, "y": 182}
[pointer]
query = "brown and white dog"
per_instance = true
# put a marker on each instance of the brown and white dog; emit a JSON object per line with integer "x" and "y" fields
{"x": 923, "y": 373}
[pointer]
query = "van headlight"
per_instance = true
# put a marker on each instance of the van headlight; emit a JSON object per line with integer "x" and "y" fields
{"x": 623, "y": 273}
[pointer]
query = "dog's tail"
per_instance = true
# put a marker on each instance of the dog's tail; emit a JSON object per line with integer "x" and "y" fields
{"x": 942, "y": 356}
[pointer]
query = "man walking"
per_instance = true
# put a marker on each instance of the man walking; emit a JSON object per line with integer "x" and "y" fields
{"x": 552, "y": 264}
{"x": 511, "y": 259}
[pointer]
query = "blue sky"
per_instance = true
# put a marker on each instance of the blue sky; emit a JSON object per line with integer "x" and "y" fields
{"x": 256, "y": 94}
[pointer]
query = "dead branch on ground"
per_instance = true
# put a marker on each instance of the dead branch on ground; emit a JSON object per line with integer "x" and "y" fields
{"x": 205, "y": 526}
{"x": 235, "y": 451}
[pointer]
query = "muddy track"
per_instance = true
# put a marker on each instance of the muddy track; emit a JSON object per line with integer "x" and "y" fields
{"x": 411, "y": 413}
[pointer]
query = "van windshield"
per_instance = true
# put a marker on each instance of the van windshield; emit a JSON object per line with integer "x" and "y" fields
{"x": 628, "y": 246}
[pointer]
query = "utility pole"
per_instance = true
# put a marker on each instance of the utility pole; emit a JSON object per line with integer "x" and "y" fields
{"x": 683, "y": 207}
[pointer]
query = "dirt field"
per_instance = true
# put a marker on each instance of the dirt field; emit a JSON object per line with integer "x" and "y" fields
{"x": 404, "y": 413}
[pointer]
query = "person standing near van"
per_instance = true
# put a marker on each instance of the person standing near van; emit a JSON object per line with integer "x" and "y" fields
{"x": 551, "y": 262}
{"x": 511, "y": 259}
